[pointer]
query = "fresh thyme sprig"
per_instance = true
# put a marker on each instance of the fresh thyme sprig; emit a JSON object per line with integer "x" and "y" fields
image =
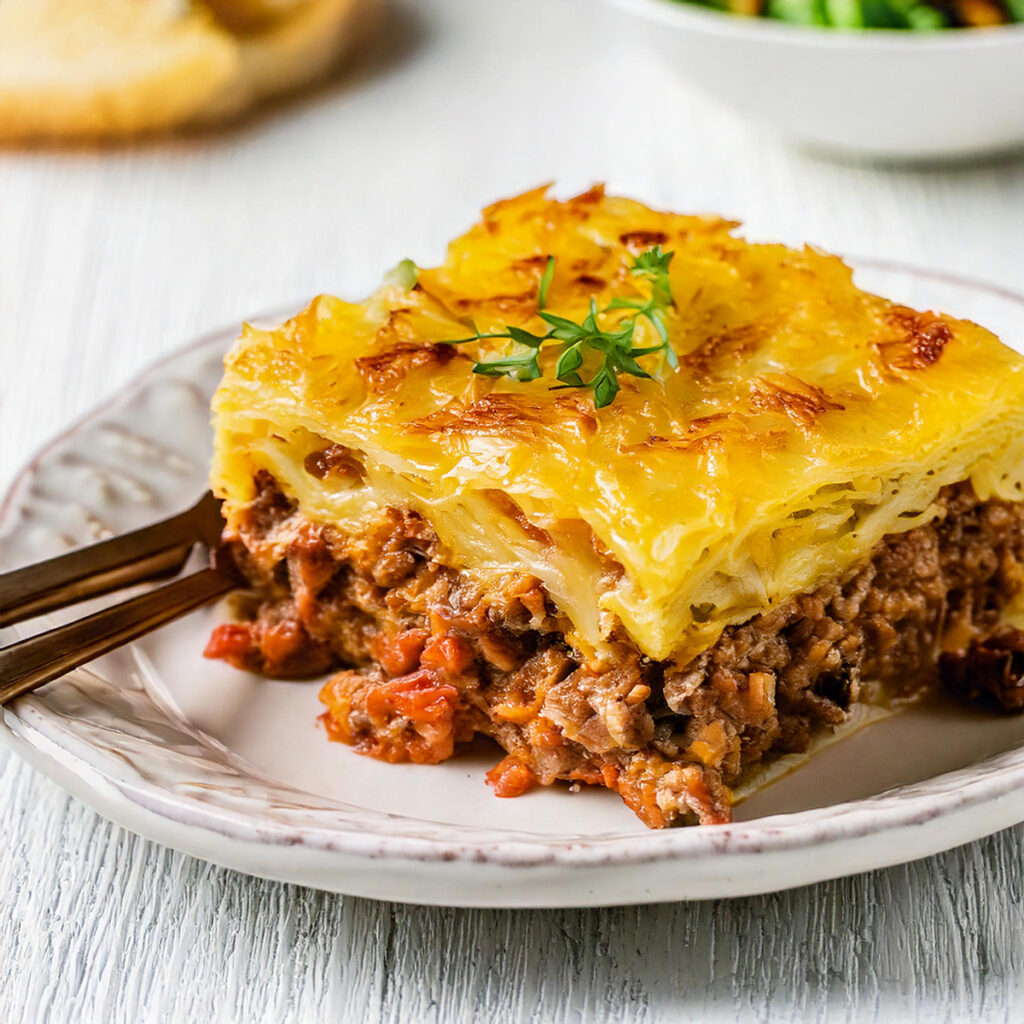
{"x": 613, "y": 346}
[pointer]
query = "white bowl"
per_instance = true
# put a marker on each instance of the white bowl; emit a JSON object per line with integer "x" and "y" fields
{"x": 892, "y": 94}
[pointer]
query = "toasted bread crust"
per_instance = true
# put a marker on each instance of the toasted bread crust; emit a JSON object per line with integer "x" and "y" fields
{"x": 291, "y": 52}
{"x": 94, "y": 69}
{"x": 80, "y": 68}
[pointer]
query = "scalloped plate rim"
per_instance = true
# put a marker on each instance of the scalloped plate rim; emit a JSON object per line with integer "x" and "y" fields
{"x": 866, "y": 827}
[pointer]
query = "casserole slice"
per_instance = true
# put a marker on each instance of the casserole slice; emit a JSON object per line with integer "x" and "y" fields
{"x": 656, "y": 569}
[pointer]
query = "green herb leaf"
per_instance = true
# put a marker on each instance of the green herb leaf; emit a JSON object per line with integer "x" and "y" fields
{"x": 584, "y": 344}
{"x": 568, "y": 362}
{"x": 526, "y": 338}
{"x": 403, "y": 274}
{"x": 476, "y": 337}
{"x": 524, "y": 367}
{"x": 570, "y": 330}
{"x": 545, "y": 283}
{"x": 606, "y": 387}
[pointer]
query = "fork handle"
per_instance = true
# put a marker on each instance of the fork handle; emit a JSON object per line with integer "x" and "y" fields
{"x": 160, "y": 549}
{"x": 30, "y": 663}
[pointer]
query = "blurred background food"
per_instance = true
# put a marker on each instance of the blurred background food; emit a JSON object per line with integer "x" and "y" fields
{"x": 112, "y": 68}
{"x": 919, "y": 15}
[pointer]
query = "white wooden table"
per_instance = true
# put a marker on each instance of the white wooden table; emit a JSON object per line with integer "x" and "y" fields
{"x": 109, "y": 259}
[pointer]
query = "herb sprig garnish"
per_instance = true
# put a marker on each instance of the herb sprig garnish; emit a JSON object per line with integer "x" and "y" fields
{"x": 610, "y": 349}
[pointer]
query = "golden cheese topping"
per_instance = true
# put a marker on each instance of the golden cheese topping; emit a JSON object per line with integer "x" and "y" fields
{"x": 806, "y": 419}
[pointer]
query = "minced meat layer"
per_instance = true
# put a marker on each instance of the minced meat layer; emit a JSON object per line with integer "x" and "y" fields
{"x": 435, "y": 657}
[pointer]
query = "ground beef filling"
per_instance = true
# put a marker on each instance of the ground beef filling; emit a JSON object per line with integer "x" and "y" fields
{"x": 435, "y": 657}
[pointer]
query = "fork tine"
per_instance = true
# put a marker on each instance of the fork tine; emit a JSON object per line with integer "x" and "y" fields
{"x": 160, "y": 549}
{"x": 40, "y": 659}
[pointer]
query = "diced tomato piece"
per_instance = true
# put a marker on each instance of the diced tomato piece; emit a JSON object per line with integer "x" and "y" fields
{"x": 449, "y": 652}
{"x": 231, "y": 641}
{"x": 640, "y": 800}
{"x": 309, "y": 559}
{"x": 399, "y": 653}
{"x": 606, "y": 775}
{"x": 544, "y": 733}
{"x": 282, "y": 641}
{"x": 591, "y": 776}
{"x": 510, "y": 777}
{"x": 418, "y": 697}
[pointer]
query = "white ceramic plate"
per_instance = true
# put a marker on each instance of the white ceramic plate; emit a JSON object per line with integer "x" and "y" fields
{"x": 235, "y": 769}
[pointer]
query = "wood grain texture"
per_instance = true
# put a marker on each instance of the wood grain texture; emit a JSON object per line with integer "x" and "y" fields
{"x": 109, "y": 259}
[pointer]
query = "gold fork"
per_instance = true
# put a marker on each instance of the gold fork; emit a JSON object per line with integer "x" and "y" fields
{"x": 150, "y": 553}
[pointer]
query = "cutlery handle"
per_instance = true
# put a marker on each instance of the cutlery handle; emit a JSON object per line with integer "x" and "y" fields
{"x": 151, "y": 552}
{"x": 40, "y": 659}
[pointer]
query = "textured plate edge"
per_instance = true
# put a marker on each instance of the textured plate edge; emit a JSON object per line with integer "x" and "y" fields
{"x": 844, "y": 824}
{"x": 494, "y": 884}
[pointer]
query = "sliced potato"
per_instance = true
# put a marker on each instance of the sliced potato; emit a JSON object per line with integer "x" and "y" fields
{"x": 80, "y": 68}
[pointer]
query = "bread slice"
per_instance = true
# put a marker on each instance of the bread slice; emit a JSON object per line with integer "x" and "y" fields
{"x": 81, "y": 68}
{"x": 112, "y": 68}
{"x": 251, "y": 15}
{"x": 296, "y": 47}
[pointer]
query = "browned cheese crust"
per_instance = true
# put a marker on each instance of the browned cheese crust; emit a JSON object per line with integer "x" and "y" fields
{"x": 436, "y": 657}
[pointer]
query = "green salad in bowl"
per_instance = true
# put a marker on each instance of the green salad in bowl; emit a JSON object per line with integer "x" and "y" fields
{"x": 916, "y": 15}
